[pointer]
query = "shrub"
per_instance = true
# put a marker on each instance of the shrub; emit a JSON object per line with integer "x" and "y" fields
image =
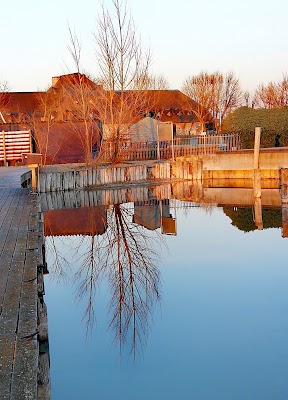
{"x": 244, "y": 120}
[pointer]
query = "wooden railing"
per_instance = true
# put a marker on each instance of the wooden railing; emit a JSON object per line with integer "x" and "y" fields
{"x": 13, "y": 144}
{"x": 180, "y": 146}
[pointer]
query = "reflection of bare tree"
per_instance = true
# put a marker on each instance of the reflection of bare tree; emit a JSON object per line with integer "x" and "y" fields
{"x": 59, "y": 264}
{"x": 87, "y": 277}
{"x": 134, "y": 278}
{"x": 123, "y": 255}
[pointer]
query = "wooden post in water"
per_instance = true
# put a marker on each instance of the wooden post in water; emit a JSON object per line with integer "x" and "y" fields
{"x": 284, "y": 199}
{"x": 256, "y": 169}
{"x": 258, "y": 212}
{"x": 257, "y": 181}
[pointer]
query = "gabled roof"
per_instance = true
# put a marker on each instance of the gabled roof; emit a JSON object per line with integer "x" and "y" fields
{"x": 171, "y": 99}
{"x": 61, "y": 99}
{"x": 166, "y": 105}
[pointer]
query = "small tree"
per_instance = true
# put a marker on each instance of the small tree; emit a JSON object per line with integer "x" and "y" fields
{"x": 246, "y": 97}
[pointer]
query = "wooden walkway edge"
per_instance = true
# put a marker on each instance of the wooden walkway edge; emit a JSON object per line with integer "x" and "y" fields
{"x": 20, "y": 255}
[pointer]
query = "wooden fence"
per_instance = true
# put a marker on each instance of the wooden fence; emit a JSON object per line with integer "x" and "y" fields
{"x": 53, "y": 179}
{"x": 13, "y": 144}
{"x": 180, "y": 146}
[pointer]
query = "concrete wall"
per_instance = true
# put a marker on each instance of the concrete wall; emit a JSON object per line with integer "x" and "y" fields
{"x": 243, "y": 160}
{"x": 233, "y": 169}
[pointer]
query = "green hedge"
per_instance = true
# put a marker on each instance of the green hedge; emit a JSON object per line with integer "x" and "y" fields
{"x": 244, "y": 120}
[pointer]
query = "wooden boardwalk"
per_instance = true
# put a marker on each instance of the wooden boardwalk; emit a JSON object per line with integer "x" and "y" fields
{"x": 19, "y": 255}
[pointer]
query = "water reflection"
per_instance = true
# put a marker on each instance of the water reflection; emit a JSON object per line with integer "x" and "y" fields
{"x": 118, "y": 250}
{"x": 244, "y": 218}
{"x": 116, "y": 235}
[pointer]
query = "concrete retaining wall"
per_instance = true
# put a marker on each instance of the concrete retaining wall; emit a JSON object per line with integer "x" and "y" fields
{"x": 223, "y": 169}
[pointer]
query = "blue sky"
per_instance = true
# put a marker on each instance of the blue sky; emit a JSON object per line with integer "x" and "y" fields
{"x": 249, "y": 38}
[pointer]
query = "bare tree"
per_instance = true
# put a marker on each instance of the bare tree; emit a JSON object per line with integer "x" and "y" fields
{"x": 4, "y": 98}
{"x": 80, "y": 94}
{"x": 198, "y": 88}
{"x": 122, "y": 62}
{"x": 216, "y": 95}
{"x": 119, "y": 52}
{"x": 272, "y": 95}
{"x": 122, "y": 65}
{"x": 151, "y": 82}
{"x": 283, "y": 91}
{"x": 227, "y": 96}
{"x": 266, "y": 96}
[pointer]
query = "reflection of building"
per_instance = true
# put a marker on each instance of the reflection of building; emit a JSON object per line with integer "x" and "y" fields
{"x": 75, "y": 221}
{"x": 153, "y": 214}
{"x": 168, "y": 226}
{"x": 147, "y": 214}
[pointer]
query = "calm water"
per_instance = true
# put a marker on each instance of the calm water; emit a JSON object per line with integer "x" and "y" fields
{"x": 137, "y": 314}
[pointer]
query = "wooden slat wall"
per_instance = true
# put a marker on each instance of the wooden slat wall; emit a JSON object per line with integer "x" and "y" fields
{"x": 16, "y": 144}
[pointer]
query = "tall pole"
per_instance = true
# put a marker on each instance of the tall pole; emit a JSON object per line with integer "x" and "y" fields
{"x": 256, "y": 169}
{"x": 172, "y": 142}
{"x": 257, "y": 147}
{"x": 158, "y": 148}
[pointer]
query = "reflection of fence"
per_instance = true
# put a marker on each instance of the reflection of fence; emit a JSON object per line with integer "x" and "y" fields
{"x": 13, "y": 144}
{"x": 181, "y": 146}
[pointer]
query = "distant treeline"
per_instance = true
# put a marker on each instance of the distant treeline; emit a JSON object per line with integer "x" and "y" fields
{"x": 272, "y": 121}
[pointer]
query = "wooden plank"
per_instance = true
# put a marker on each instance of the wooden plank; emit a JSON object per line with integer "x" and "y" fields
{"x": 24, "y": 378}
{"x": 7, "y": 347}
{"x": 19, "y": 244}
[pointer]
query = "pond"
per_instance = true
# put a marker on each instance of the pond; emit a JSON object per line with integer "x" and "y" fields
{"x": 167, "y": 294}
